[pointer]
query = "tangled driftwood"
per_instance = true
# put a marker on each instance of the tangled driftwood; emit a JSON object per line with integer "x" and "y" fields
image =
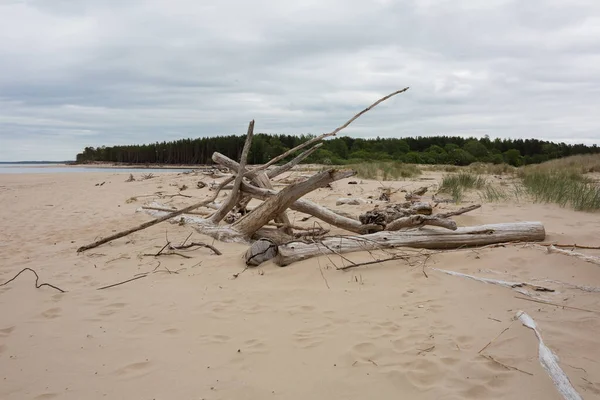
{"x": 269, "y": 228}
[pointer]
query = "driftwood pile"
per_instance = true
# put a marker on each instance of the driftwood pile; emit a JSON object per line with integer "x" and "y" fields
{"x": 268, "y": 229}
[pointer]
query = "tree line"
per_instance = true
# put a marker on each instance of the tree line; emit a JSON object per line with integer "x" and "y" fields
{"x": 343, "y": 150}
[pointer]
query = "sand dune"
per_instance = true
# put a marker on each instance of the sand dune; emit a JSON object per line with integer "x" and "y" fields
{"x": 305, "y": 331}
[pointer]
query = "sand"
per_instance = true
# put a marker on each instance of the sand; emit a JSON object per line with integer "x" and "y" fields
{"x": 305, "y": 331}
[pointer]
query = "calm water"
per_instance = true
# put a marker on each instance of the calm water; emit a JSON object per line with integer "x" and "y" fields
{"x": 59, "y": 168}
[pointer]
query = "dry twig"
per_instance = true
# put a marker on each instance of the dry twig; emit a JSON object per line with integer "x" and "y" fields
{"x": 37, "y": 278}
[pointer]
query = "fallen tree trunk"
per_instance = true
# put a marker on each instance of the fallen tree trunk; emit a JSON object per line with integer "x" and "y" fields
{"x": 310, "y": 208}
{"x": 275, "y": 205}
{"x": 260, "y": 179}
{"x": 422, "y": 238}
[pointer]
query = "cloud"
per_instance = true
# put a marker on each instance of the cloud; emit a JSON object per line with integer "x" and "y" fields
{"x": 79, "y": 73}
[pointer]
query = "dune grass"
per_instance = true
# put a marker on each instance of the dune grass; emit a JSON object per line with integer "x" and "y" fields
{"x": 566, "y": 188}
{"x": 456, "y": 185}
{"x": 563, "y": 182}
{"x": 385, "y": 170}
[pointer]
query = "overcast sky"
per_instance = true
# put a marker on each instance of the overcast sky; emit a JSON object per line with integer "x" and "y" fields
{"x": 76, "y": 73}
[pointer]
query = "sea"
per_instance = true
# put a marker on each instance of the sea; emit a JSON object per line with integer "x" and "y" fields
{"x": 52, "y": 168}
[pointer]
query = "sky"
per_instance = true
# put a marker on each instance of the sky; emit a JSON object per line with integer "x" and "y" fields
{"x": 77, "y": 73}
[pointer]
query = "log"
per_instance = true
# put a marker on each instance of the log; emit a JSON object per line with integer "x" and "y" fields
{"x": 275, "y": 205}
{"x": 311, "y": 208}
{"x": 420, "y": 220}
{"x": 260, "y": 179}
{"x": 233, "y": 198}
{"x": 421, "y": 238}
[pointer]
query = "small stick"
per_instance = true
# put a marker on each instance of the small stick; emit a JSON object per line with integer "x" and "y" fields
{"x": 323, "y": 276}
{"x": 458, "y": 212}
{"x": 395, "y": 257}
{"x": 37, "y": 278}
{"x": 199, "y": 244}
{"x": 504, "y": 365}
{"x": 556, "y": 304}
{"x": 500, "y": 334}
{"x": 160, "y": 251}
{"x": 120, "y": 283}
{"x": 186, "y": 239}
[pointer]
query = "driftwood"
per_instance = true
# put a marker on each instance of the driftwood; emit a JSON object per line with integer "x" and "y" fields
{"x": 248, "y": 225}
{"x": 260, "y": 179}
{"x": 420, "y": 220}
{"x": 233, "y": 197}
{"x": 311, "y": 208}
{"x": 424, "y": 238}
{"x": 262, "y": 214}
{"x": 323, "y": 136}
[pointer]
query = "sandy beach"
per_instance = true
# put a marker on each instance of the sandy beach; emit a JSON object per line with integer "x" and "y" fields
{"x": 192, "y": 330}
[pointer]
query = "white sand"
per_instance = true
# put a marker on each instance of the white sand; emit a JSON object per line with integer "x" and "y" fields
{"x": 304, "y": 331}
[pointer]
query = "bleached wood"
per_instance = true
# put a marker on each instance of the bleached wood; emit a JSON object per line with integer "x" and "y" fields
{"x": 323, "y": 136}
{"x": 234, "y": 195}
{"x": 420, "y": 220}
{"x": 272, "y": 173}
{"x": 420, "y": 238}
{"x": 274, "y": 205}
{"x": 311, "y": 208}
{"x": 260, "y": 179}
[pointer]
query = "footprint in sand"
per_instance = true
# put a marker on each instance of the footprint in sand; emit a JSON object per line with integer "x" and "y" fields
{"x": 45, "y": 396}
{"x": 52, "y": 313}
{"x": 171, "y": 331}
{"x": 6, "y": 331}
{"x": 255, "y": 346}
{"x": 134, "y": 370}
{"x": 111, "y": 309}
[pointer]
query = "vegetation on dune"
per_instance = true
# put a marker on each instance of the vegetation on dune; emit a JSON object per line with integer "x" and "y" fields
{"x": 385, "y": 170}
{"x": 563, "y": 187}
{"x": 446, "y": 150}
{"x": 455, "y": 185}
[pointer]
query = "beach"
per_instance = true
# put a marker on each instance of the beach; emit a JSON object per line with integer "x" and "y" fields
{"x": 201, "y": 326}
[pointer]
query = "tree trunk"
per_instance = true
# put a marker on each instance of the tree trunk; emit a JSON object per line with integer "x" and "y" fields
{"x": 421, "y": 238}
{"x": 275, "y": 205}
{"x": 310, "y": 208}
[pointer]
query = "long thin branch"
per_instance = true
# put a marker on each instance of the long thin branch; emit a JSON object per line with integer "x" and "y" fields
{"x": 157, "y": 220}
{"x": 233, "y": 196}
{"x": 323, "y": 136}
{"x": 37, "y": 278}
{"x": 297, "y": 160}
{"x": 458, "y": 212}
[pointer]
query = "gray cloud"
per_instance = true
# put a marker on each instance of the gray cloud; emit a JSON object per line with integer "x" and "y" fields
{"x": 78, "y": 73}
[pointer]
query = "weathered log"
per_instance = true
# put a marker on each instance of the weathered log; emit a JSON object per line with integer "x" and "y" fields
{"x": 260, "y": 251}
{"x": 260, "y": 179}
{"x": 273, "y": 206}
{"x": 233, "y": 198}
{"x": 420, "y": 220}
{"x": 311, "y": 208}
{"x": 421, "y": 238}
